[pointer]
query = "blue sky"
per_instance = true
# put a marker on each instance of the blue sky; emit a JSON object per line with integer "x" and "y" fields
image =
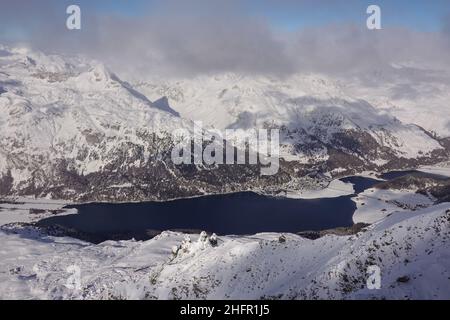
{"x": 286, "y": 15}
{"x": 414, "y": 14}
{"x": 419, "y": 15}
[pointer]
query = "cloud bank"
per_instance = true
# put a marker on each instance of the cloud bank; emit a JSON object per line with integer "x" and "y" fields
{"x": 186, "y": 38}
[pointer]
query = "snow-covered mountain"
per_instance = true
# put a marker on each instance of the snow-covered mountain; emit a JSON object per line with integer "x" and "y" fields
{"x": 322, "y": 119}
{"x": 413, "y": 94}
{"x": 71, "y": 129}
{"x": 65, "y": 118}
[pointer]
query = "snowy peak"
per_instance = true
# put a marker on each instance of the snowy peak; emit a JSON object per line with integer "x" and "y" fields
{"x": 57, "y": 78}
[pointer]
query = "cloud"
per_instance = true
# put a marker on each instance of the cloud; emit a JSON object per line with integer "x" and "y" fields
{"x": 187, "y": 45}
{"x": 199, "y": 36}
{"x": 349, "y": 49}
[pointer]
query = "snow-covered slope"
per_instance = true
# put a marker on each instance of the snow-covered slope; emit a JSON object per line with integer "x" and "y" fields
{"x": 317, "y": 114}
{"x": 411, "y": 248}
{"x": 375, "y": 204}
{"x": 413, "y": 93}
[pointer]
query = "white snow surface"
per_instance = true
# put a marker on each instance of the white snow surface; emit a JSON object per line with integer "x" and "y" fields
{"x": 412, "y": 244}
{"x": 442, "y": 169}
{"x": 23, "y": 209}
{"x": 374, "y": 204}
{"x": 336, "y": 188}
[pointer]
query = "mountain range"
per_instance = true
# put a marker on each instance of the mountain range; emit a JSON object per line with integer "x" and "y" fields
{"x": 72, "y": 129}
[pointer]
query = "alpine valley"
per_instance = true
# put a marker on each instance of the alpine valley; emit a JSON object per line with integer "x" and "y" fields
{"x": 74, "y": 133}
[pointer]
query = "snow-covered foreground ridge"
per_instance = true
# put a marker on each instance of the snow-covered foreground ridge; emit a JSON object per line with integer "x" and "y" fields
{"x": 71, "y": 129}
{"x": 410, "y": 247}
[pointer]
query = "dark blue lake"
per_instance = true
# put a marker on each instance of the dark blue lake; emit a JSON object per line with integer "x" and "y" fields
{"x": 237, "y": 213}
